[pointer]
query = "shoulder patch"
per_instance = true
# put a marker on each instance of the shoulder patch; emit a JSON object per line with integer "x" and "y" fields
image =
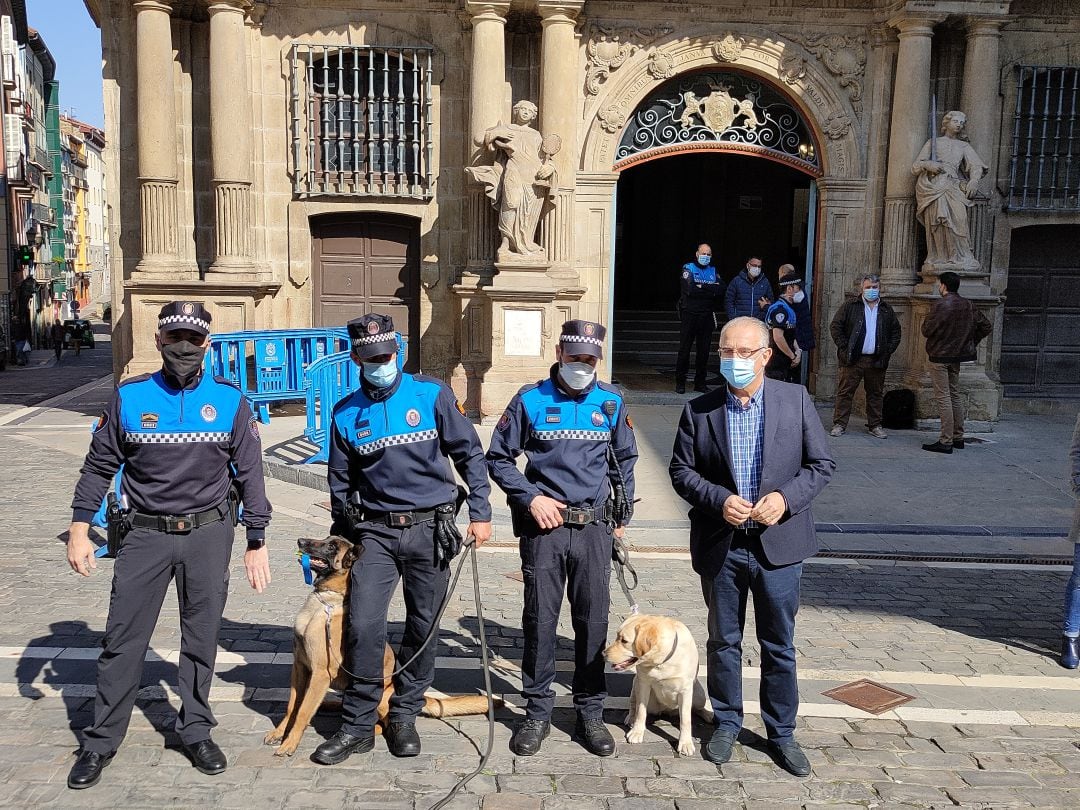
{"x": 779, "y": 317}
{"x": 253, "y": 427}
{"x": 102, "y": 421}
{"x": 504, "y": 421}
{"x": 686, "y": 274}
{"x": 459, "y": 406}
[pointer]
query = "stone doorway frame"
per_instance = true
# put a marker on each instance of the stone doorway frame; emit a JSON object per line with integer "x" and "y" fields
{"x": 821, "y": 76}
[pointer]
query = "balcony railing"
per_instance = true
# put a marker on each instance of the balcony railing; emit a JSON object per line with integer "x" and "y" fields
{"x": 1044, "y": 168}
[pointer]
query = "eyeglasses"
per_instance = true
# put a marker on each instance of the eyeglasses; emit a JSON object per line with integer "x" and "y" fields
{"x": 744, "y": 354}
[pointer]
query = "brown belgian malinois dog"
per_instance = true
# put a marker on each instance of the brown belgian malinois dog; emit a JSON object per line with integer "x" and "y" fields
{"x": 319, "y": 651}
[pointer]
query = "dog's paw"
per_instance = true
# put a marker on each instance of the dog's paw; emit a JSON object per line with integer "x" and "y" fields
{"x": 286, "y": 749}
{"x": 686, "y": 748}
{"x": 635, "y": 735}
{"x": 272, "y": 737}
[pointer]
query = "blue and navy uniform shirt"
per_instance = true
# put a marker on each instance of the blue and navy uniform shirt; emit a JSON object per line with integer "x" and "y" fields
{"x": 780, "y": 315}
{"x": 565, "y": 441}
{"x": 701, "y": 289}
{"x": 176, "y": 446}
{"x": 390, "y": 451}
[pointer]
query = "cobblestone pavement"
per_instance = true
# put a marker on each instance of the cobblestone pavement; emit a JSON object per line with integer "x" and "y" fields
{"x": 994, "y": 721}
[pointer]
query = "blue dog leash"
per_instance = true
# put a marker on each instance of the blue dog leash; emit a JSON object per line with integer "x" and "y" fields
{"x": 305, "y": 564}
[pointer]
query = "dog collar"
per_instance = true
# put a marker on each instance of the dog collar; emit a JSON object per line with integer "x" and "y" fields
{"x": 673, "y": 647}
{"x": 305, "y": 564}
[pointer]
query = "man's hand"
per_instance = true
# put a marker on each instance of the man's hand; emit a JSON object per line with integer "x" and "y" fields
{"x": 545, "y": 512}
{"x": 480, "y": 531}
{"x": 796, "y": 359}
{"x": 769, "y": 509}
{"x": 618, "y": 532}
{"x": 763, "y": 302}
{"x": 737, "y": 510}
{"x": 257, "y": 568}
{"x": 80, "y": 551}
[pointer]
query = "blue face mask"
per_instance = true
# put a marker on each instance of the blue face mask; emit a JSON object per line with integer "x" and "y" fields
{"x": 704, "y": 260}
{"x": 871, "y": 293}
{"x": 738, "y": 372}
{"x": 381, "y": 375}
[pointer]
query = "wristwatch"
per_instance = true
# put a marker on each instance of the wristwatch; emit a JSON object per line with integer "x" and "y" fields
{"x": 255, "y": 545}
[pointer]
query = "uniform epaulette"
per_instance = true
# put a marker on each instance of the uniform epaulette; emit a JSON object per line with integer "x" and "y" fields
{"x": 227, "y": 382}
{"x": 529, "y": 387}
{"x": 604, "y": 386}
{"x": 427, "y": 378}
{"x": 135, "y": 379}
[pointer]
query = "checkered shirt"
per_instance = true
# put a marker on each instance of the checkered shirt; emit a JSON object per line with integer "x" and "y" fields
{"x": 746, "y": 434}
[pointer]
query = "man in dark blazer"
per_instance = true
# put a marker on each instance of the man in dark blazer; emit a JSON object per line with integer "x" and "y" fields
{"x": 749, "y": 458}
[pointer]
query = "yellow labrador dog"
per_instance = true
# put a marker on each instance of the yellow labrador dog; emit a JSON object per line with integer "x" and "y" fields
{"x": 664, "y": 658}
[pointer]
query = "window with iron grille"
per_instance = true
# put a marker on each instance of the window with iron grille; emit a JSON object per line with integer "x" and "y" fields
{"x": 1044, "y": 169}
{"x": 361, "y": 120}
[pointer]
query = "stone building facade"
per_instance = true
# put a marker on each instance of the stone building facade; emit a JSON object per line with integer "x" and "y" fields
{"x": 295, "y": 162}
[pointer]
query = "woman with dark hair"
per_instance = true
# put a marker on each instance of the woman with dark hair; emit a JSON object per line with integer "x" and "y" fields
{"x": 1070, "y": 640}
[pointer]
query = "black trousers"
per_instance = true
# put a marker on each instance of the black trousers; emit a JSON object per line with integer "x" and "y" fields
{"x": 148, "y": 561}
{"x": 389, "y": 555}
{"x": 694, "y": 327}
{"x": 575, "y": 560}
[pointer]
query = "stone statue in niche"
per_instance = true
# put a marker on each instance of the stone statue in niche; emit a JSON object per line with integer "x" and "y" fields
{"x": 948, "y": 171}
{"x": 521, "y": 182}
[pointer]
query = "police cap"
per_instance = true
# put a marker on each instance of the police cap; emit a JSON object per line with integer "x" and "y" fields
{"x": 582, "y": 337}
{"x": 372, "y": 335}
{"x": 189, "y": 315}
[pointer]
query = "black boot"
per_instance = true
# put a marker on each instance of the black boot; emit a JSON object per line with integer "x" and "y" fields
{"x": 597, "y": 738}
{"x": 402, "y": 739}
{"x": 86, "y": 772}
{"x": 528, "y": 737}
{"x": 1070, "y": 652}
{"x": 680, "y": 386}
{"x": 341, "y": 746}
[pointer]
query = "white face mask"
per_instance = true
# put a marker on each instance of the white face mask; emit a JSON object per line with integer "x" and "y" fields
{"x": 799, "y": 297}
{"x": 576, "y": 376}
{"x": 753, "y": 271}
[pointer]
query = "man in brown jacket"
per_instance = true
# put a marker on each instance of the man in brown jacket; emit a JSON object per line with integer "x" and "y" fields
{"x": 952, "y": 330}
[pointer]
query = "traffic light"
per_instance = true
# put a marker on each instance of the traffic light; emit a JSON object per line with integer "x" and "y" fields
{"x": 24, "y": 255}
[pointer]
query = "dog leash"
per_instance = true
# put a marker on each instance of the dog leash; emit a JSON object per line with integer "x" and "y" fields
{"x": 620, "y": 555}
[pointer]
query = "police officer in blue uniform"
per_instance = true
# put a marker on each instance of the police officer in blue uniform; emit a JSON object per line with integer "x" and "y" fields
{"x": 185, "y": 439}
{"x": 392, "y": 489}
{"x": 781, "y": 319}
{"x": 701, "y": 296}
{"x": 564, "y": 520}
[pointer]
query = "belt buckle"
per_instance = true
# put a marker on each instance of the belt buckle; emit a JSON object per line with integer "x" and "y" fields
{"x": 578, "y": 515}
{"x": 399, "y": 520}
{"x": 174, "y": 524}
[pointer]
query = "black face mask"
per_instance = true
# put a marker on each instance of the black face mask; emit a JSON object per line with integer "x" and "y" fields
{"x": 182, "y": 360}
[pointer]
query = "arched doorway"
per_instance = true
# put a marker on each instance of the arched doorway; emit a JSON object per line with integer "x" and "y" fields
{"x": 715, "y": 156}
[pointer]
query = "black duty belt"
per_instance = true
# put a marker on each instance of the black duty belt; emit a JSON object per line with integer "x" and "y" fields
{"x": 399, "y": 520}
{"x": 585, "y": 515}
{"x": 178, "y": 524}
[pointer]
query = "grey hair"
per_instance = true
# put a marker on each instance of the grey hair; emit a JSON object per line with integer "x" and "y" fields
{"x": 873, "y": 278}
{"x": 744, "y": 320}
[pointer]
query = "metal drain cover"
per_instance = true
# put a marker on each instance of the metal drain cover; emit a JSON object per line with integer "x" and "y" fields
{"x": 869, "y": 696}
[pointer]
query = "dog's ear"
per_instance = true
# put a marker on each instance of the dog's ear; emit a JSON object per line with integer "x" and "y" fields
{"x": 352, "y": 555}
{"x": 647, "y": 637}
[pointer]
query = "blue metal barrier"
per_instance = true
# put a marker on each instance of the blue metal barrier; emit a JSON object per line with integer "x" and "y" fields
{"x": 329, "y": 380}
{"x": 269, "y": 365}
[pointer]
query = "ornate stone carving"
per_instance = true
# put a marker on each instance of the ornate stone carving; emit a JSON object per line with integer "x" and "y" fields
{"x": 610, "y": 46}
{"x": 837, "y": 125}
{"x": 612, "y": 119}
{"x": 728, "y": 47}
{"x": 843, "y": 56}
{"x": 661, "y": 66}
{"x": 718, "y": 110}
{"x": 948, "y": 172}
{"x": 792, "y": 68}
{"x": 521, "y": 181}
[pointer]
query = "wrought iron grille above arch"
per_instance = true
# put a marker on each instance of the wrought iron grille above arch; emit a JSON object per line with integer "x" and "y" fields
{"x": 719, "y": 110}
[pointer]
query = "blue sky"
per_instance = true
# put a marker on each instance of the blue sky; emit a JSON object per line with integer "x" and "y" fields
{"x": 75, "y": 43}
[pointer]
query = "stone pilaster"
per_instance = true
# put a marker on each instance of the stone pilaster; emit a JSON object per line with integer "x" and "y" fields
{"x": 230, "y": 137}
{"x": 907, "y": 132}
{"x": 158, "y": 173}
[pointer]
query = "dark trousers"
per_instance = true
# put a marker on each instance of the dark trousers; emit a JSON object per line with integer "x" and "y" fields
{"x": 779, "y": 367}
{"x": 148, "y": 561}
{"x": 694, "y": 327}
{"x": 575, "y": 560}
{"x": 873, "y": 380}
{"x": 389, "y": 555}
{"x": 776, "y": 601}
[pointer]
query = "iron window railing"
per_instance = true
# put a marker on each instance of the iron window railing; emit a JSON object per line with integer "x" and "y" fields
{"x": 1044, "y": 168}
{"x": 361, "y": 120}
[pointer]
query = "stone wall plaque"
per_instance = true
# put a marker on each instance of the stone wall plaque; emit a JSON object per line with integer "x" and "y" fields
{"x": 523, "y": 332}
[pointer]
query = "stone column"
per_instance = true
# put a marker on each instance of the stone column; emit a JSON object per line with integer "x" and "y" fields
{"x": 907, "y": 133}
{"x": 980, "y": 102}
{"x": 158, "y": 173}
{"x": 487, "y": 78}
{"x": 230, "y": 136}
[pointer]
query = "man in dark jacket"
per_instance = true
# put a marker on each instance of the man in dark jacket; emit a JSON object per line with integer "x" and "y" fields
{"x": 749, "y": 293}
{"x": 866, "y": 332}
{"x": 953, "y": 330}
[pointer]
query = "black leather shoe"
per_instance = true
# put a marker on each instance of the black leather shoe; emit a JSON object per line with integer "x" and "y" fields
{"x": 718, "y": 749}
{"x": 402, "y": 739}
{"x": 597, "y": 738}
{"x": 528, "y": 736}
{"x": 680, "y": 387}
{"x": 1070, "y": 652}
{"x": 86, "y": 772}
{"x": 790, "y": 757}
{"x": 342, "y": 746}
{"x": 957, "y": 444}
{"x": 938, "y": 447}
{"x": 206, "y": 757}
